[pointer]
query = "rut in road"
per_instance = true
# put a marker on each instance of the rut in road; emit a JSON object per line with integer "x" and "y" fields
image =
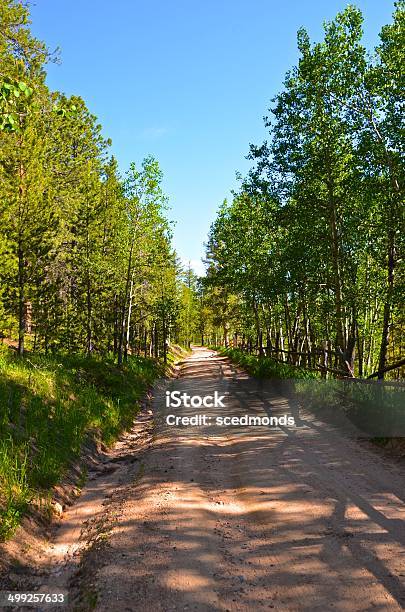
{"x": 252, "y": 518}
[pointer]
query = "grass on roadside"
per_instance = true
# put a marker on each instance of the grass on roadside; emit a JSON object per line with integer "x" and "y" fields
{"x": 376, "y": 410}
{"x": 265, "y": 367}
{"x": 48, "y": 406}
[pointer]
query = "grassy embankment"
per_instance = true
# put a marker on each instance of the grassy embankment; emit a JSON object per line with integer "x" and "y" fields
{"x": 265, "y": 367}
{"x": 48, "y": 408}
{"x": 377, "y": 410}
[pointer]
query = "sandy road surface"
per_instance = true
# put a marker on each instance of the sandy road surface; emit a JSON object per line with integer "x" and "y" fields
{"x": 251, "y": 518}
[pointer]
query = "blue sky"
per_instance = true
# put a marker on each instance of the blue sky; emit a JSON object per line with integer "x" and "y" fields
{"x": 185, "y": 80}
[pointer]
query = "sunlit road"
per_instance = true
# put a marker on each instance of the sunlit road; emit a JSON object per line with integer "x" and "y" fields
{"x": 252, "y": 518}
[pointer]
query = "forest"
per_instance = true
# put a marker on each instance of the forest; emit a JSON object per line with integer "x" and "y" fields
{"x": 89, "y": 279}
{"x": 87, "y": 260}
{"x": 305, "y": 263}
{"x": 287, "y": 492}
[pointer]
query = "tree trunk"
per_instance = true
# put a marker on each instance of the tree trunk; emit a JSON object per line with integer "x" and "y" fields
{"x": 124, "y": 307}
{"x": 21, "y": 262}
{"x": 226, "y": 339}
{"x": 360, "y": 352}
{"x": 115, "y": 324}
{"x": 89, "y": 343}
{"x": 128, "y": 330}
{"x": 21, "y": 301}
{"x": 336, "y": 277}
{"x": 258, "y": 328}
{"x": 387, "y": 307}
{"x": 287, "y": 323}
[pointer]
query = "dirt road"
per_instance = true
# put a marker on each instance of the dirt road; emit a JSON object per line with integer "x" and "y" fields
{"x": 232, "y": 518}
{"x": 251, "y": 518}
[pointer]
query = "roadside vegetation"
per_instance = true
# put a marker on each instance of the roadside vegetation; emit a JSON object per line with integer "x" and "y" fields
{"x": 87, "y": 263}
{"x": 304, "y": 275}
{"x": 305, "y": 262}
{"x": 92, "y": 294}
{"x": 376, "y": 409}
{"x": 50, "y": 406}
{"x": 265, "y": 367}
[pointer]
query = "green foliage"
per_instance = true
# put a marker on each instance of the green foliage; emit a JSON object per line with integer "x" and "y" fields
{"x": 310, "y": 249}
{"x": 266, "y": 367}
{"x": 14, "y": 487}
{"x": 86, "y": 254}
{"x": 48, "y": 406}
{"x": 88, "y": 276}
{"x": 10, "y": 92}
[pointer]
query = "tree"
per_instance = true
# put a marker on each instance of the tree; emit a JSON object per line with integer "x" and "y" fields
{"x": 305, "y": 242}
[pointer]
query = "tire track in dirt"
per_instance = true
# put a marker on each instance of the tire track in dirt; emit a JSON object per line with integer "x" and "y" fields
{"x": 232, "y": 518}
{"x": 254, "y": 518}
